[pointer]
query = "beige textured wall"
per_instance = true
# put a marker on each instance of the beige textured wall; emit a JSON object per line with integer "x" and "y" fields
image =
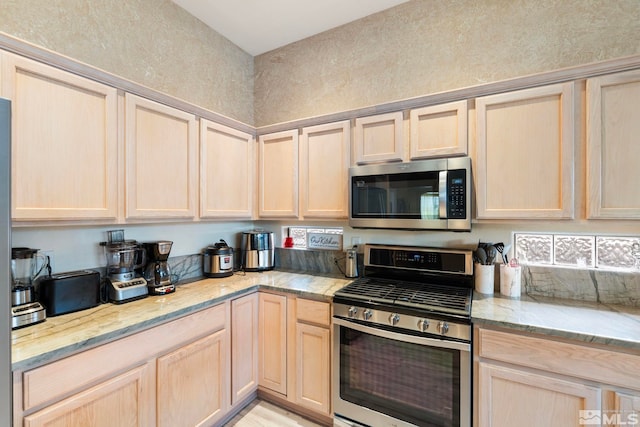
{"x": 151, "y": 42}
{"x": 429, "y": 46}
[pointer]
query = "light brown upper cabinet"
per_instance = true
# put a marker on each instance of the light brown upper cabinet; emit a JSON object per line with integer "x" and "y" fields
{"x": 227, "y": 172}
{"x": 161, "y": 160}
{"x": 379, "y": 138}
{"x": 278, "y": 174}
{"x": 524, "y": 161}
{"x": 64, "y": 143}
{"x": 439, "y": 130}
{"x": 324, "y": 170}
{"x": 613, "y": 126}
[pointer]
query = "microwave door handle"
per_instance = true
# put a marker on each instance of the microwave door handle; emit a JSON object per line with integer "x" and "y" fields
{"x": 442, "y": 194}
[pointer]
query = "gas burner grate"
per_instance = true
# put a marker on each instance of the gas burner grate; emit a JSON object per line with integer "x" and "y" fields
{"x": 421, "y": 296}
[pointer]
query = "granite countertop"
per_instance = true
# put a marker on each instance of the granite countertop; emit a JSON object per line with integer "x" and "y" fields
{"x": 64, "y": 335}
{"x": 589, "y": 322}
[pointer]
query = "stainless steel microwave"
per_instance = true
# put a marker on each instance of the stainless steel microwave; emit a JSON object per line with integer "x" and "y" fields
{"x": 419, "y": 195}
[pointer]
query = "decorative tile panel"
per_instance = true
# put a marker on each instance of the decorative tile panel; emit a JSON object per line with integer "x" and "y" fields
{"x": 578, "y": 251}
{"x": 534, "y": 248}
{"x": 618, "y": 252}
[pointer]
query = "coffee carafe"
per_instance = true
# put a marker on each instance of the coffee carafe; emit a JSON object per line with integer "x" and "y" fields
{"x": 157, "y": 272}
{"x": 24, "y": 270}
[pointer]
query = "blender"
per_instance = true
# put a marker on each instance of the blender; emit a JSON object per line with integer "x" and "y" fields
{"x": 157, "y": 272}
{"x": 25, "y": 310}
{"x": 124, "y": 284}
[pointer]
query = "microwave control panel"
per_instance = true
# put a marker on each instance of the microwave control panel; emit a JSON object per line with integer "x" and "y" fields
{"x": 457, "y": 197}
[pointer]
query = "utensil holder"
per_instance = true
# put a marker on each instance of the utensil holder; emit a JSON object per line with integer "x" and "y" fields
{"x": 484, "y": 278}
{"x": 510, "y": 281}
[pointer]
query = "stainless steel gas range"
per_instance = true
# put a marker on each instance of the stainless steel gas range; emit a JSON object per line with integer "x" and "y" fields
{"x": 402, "y": 339}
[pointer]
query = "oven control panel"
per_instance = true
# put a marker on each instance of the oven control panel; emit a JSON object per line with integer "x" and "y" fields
{"x": 418, "y": 259}
{"x": 416, "y": 323}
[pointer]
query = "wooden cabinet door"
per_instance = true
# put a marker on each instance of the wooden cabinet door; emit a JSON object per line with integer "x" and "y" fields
{"x": 313, "y": 367}
{"x": 379, "y": 138}
{"x": 161, "y": 160}
{"x": 278, "y": 174}
{"x": 64, "y": 143}
{"x": 244, "y": 347}
{"x": 510, "y": 397}
{"x": 324, "y": 170}
{"x": 227, "y": 172}
{"x": 524, "y": 165}
{"x": 125, "y": 400}
{"x": 272, "y": 342}
{"x": 193, "y": 383}
{"x": 613, "y": 126}
{"x": 438, "y": 130}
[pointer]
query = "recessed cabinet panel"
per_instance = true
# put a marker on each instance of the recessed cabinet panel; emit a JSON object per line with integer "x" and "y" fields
{"x": 244, "y": 347}
{"x": 312, "y": 367}
{"x": 324, "y": 170}
{"x": 193, "y": 383}
{"x": 161, "y": 160}
{"x": 613, "y": 126}
{"x": 524, "y": 165}
{"x": 379, "y": 138}
{"x": 514, "y": 397}
{"x": 273, "y": 342}
{"x": 227, "y": 172}
{"x": 64, "y": 143}
{"x": 278, "y": 174}
{"x": 121, "y": 401}
{"x": 439, "y": 130}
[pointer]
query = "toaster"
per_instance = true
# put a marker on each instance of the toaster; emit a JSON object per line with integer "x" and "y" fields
{"x": 68, "y": 292}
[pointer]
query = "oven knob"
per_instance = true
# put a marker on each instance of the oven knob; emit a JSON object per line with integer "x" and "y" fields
{"x": 353, "y": 311}
{"x": 423, "y": 325}
{"x": 394, "y": 319}
{"x": 443, "y": 327}
{"x": 367, "y": 314}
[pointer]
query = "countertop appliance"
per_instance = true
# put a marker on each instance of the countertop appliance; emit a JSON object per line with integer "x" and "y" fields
{"x": 402, "y": 339}
{"x": 25, "y": 310}
{"x": 68, "y": 292}
{"x": 424, "y": 194}
{"x": 6, "y": 396}
{"x": 124, "y": 257}
{"x": 257, "y": 250}
{"x": 217, "y": 260}
{"x": 157, "y": 272}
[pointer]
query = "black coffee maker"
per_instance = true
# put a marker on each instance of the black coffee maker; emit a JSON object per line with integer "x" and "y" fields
{"x": 157, "y": 272}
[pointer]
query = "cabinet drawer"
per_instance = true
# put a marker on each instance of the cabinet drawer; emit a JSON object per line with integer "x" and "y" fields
{"x": 60, "y": 379}
{"x": 580, "y": 361}
{"x": 313, "y": 311}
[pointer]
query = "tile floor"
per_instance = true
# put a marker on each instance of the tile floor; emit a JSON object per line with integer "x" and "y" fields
{"x": 263, "y": 414}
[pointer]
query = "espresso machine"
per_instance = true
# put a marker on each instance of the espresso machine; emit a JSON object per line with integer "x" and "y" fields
{"x": 123, "y": 258}
{"x": 157, "y": 272}
{"x": 25, "y": 310}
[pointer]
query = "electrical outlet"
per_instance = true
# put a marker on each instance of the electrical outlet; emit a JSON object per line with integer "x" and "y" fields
{"x": 356, "y": 241}
{"x": 50, "y": 254}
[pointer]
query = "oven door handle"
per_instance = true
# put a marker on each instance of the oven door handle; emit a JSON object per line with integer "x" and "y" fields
{"x": 454, "y": 345}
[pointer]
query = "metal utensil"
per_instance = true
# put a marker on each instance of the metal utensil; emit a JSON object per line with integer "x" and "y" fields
{"x": 505, "y": 254}
{"x": 492, "y": 252}
{"x": 481, "y": 255}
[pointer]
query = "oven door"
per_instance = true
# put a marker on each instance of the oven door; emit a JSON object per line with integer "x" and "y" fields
{"x": 384, "y": 378}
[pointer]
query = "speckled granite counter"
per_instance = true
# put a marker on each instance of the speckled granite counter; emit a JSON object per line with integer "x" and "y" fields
{"x": 588, "y": 322}
{"x": 63, "y": 335}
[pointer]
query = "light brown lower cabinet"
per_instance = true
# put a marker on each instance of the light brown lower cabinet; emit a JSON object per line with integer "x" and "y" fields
{"x": 176, "y": 374}
{"x": 295, "y": 359}
{"x": 529, "y": 380}
{"x": 120, "y": 401}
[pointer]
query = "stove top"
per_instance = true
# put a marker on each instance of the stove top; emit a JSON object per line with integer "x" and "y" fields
{"x": 419, "y": 296}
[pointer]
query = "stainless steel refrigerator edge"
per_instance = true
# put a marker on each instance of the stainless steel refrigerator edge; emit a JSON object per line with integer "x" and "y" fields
{"x": 6, "y": 405}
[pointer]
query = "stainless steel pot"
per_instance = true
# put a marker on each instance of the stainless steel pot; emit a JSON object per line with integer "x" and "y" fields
{"x": 258, "y": 251}
{"x": 218, "y": 260}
